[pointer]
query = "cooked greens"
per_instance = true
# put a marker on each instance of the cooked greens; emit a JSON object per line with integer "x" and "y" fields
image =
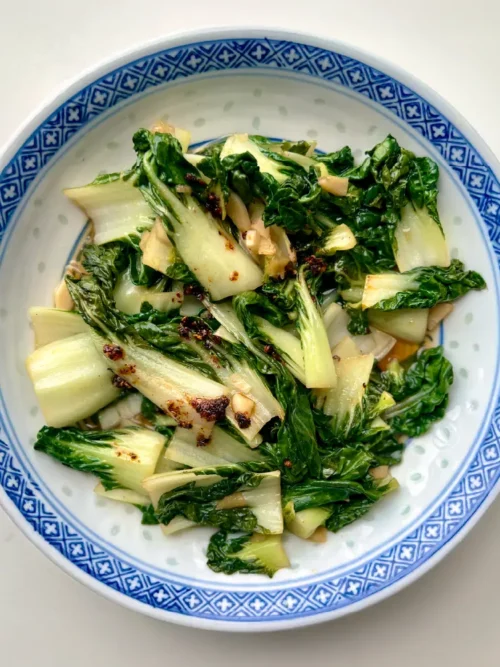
{"x": 247, "y": 345}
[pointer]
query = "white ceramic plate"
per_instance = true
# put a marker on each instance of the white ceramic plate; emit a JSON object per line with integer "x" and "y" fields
{"x": 281, "y": 85}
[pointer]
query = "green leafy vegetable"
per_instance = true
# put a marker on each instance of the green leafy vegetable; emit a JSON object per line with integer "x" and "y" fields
{"x": 121, "y": 458}
{"x": 246, "y": 554}
{"x": 420, "y": 288}
{"x": 231, "y": 497}
{"x": 421, "y": 392}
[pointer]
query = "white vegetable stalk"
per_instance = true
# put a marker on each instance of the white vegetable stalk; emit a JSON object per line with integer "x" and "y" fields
{"x": 216, "y": 259}
{"x": 62, "y": 297}
{"x": 345, "y": 401}
{"x": 408, "y": 324}
{"x": 156, "y": 485}
{"x": 287, "y": 345}
{"x": 346, "y": 348}
{"x": 377, "y": 343}
{"x": 177, "y": 390}
{"x": 303, "y": 524}
{"x": 318, "y": 362}
{"x": 263, "y": 500}
{"x": 167, "y": 465}
{"x": 305, "y": 161}
{"x": 265, "y": 503}
{"x": 122, "y": 495}
{"x": 157, "y": 249}
{"x": 133, "y": 455}
{"x": 340, "y": 238}
{"x": 224, "y": 313}
{"x": 117, "y": 209}
{"x": 120, "y": 413}
{"x": 241, "y": 143}
{"x": 51, "y": 324}
{"x": 336, "y": 320}
{"x": 221, "y": 449}
{"x": 129, "y": 297}
{"x": 70, "y": 379}
{"x": 381, "y": 286}
{"x": 419, "y": 241}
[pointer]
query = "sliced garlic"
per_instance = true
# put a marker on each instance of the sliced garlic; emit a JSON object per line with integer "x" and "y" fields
{"x": 437, "y": 314}
{"x": 242, "y": 404}
{"x": 335, "y": 185}
{"x": 252, "y": 240}
{"x": 232, "y": 501}
{"x": 380, "y": 472}
{"x": 238, "y": 212}
{"x": 62, "y": 297}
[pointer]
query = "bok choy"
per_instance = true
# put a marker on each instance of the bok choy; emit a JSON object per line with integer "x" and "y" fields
{"x": 249, "y": 336}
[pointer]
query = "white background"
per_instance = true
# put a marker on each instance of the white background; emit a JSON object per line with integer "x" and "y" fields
{"x": 450, "y": 617}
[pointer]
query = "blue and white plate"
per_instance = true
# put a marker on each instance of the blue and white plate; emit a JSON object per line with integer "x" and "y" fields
{"x": 282, "y": 85}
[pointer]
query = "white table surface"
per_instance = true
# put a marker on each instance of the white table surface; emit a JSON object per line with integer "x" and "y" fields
{"x": 450, "y": 617}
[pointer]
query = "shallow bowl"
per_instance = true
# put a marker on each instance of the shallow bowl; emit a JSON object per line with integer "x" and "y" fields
{"x": 281, "y": 85}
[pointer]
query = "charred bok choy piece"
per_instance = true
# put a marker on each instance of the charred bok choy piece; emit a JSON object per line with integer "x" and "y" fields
{"x": 222, "y": 448}
{"x": 252, "y": 404}
{"x": 192, "y": 399}
{"x": 121, "y": 459}
{"x": 167, "y": 180}
{"x": 234, "y": 497}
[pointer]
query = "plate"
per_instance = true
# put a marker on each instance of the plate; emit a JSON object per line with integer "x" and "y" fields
{"x": 282, "y": 85}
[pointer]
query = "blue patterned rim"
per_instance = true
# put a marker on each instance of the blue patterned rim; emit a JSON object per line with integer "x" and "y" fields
{"x": 293, "y": 603}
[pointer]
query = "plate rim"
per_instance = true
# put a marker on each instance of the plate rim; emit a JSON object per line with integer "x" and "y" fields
{"x": 184, "y": 38}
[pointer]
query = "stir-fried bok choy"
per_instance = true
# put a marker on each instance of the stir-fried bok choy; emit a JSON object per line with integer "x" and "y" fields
{"x": 245, "y": 340}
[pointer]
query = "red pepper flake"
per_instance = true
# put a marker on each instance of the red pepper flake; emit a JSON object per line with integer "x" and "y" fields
{"x": 120, "y": 383}
{"x": 212, "y": 205}
{"x": 316, "y": 264}
{"x": 287, "y": 463}
{"x": 229, "y": 245}
{"x": 127, "y": 370}
{"x": 113, "y": 352}
{"x": 234, "y": 276}
{"x": 269, "y": 349}
{"x": 193, "y": 178}
{"x": 196, "y": 328}
{"x": 194, "y": 290}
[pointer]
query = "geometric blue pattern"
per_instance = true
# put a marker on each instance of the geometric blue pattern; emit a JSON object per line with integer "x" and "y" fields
{"x": 470, "y": 490}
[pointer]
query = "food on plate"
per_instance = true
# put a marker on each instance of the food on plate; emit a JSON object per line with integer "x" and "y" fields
{"x": 246, "y": 340}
